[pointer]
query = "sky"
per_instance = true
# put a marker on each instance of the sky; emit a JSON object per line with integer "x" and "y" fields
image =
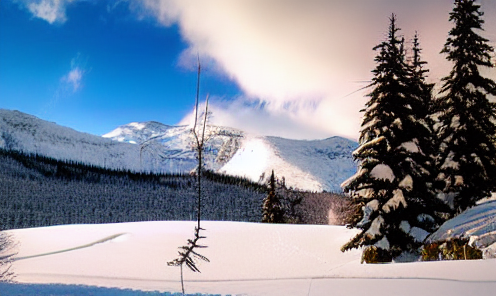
{"x": 288, "y": 68}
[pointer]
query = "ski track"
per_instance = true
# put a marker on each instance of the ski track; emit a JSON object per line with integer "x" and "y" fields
{"x": 103, "y": 240}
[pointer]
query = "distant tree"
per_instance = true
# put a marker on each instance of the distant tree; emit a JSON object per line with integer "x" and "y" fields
{"x": 291, "y": 200}
{"x": 467, "y": 130}
{"x": 392, "y": 180}
{"x": 271, "y": 208}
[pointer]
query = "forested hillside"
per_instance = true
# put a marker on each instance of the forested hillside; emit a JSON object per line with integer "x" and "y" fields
{"x": 40, "y": 191}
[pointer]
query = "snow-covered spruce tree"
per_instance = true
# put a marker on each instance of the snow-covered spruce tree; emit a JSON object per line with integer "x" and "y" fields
{"x": 467, "y": 132}
{"x": 271, "y": 209}
{"x": 393, "y": 178}
{"x": 422, "y": 90}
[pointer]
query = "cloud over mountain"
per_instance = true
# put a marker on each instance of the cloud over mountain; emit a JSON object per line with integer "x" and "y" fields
{"x": 301, "y": 59}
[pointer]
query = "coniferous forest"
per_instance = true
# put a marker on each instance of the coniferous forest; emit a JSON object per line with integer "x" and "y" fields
{"x": 40, "y": 191}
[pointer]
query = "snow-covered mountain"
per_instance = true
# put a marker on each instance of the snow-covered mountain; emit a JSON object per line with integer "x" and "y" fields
{"x": 169, "y": 148}
{"x": 313, "y": 165}
{"x": 30, "y": 134}
{"x": 151, "y": 146}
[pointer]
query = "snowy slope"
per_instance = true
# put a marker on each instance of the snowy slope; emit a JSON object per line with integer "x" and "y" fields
{"x": 312, "y": 165}
{"x": 30, "y": 134}
{"x": 172, "y": 145}
{"x": 329, "y": 162}
{"x": 246, "y": 259}
{"x": 151, "y": 146}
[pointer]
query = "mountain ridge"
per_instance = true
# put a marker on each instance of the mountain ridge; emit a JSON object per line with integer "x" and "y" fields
{"x": 314, "y": 165}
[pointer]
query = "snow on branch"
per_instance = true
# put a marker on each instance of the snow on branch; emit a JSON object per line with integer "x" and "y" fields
{"x": 394, "y": 202}
{"x": 382, "y": 172}
{"x": 406, "y": 183}
{"x": 410, "y": 146}
{"x": 368, "y": 145}
{"x": 358, "y": 174}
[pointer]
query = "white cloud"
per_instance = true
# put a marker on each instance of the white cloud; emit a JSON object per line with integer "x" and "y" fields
{"x": 68, "y": 84}
{"x": 296, "y": 120}
{"x": 308, "y": 55}
{"x": 49, "y": 10}
{"x": 301, "y": 59}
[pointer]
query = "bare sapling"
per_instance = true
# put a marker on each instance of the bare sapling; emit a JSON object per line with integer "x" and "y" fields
{"x": 188, "y": 254}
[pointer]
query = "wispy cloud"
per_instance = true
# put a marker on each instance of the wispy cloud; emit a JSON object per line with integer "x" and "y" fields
{"x": 295, "y": 119}
{"x": 68, "y": 85}
{"x": 52, "y": 11}
{"x": 74, "y": 78}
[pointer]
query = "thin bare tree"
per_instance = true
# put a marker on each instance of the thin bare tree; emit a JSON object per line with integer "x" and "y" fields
{"x": 188, "y": 254}
{"x": 6, "y": 257}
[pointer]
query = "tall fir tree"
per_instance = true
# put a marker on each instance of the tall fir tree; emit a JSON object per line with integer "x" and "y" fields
{"x": 467, "y": 130}
{"x": 420, "y": 87}
{"x": 394, "y": 171}
{"x": 271, "y": 209}
{"x": 422, "y": 90}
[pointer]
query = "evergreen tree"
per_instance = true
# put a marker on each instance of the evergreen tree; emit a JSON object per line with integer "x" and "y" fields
{"x": 422, "y": 91}
{"x": 272, "y": 211}
{"x": 392, "y": 180}
{"x": 466, "y": 162}
{"x": 420, "y": 87}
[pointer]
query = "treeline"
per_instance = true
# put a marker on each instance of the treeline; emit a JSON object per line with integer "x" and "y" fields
{"x": 40, "y": 191}
{"x": 36, "y": 191}
{"x": 289, "y": 205}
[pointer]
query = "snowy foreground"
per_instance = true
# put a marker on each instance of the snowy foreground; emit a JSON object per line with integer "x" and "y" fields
{"x": 246, "y": 259}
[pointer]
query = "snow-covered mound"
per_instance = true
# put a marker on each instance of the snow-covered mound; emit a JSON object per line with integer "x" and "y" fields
{"x": 477, "y": 224}
{"x": 245, "y": 259}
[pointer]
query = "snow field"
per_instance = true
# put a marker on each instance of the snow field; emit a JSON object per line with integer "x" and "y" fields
{"x": 246, "y": 259}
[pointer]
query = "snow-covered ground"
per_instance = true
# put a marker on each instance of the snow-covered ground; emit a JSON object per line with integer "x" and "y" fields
{"x": 246, "y": 259}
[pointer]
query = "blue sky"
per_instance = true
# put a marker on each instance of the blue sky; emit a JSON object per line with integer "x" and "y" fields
{"x": 273, "y": 67}
{"x": 99, "y": 69}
